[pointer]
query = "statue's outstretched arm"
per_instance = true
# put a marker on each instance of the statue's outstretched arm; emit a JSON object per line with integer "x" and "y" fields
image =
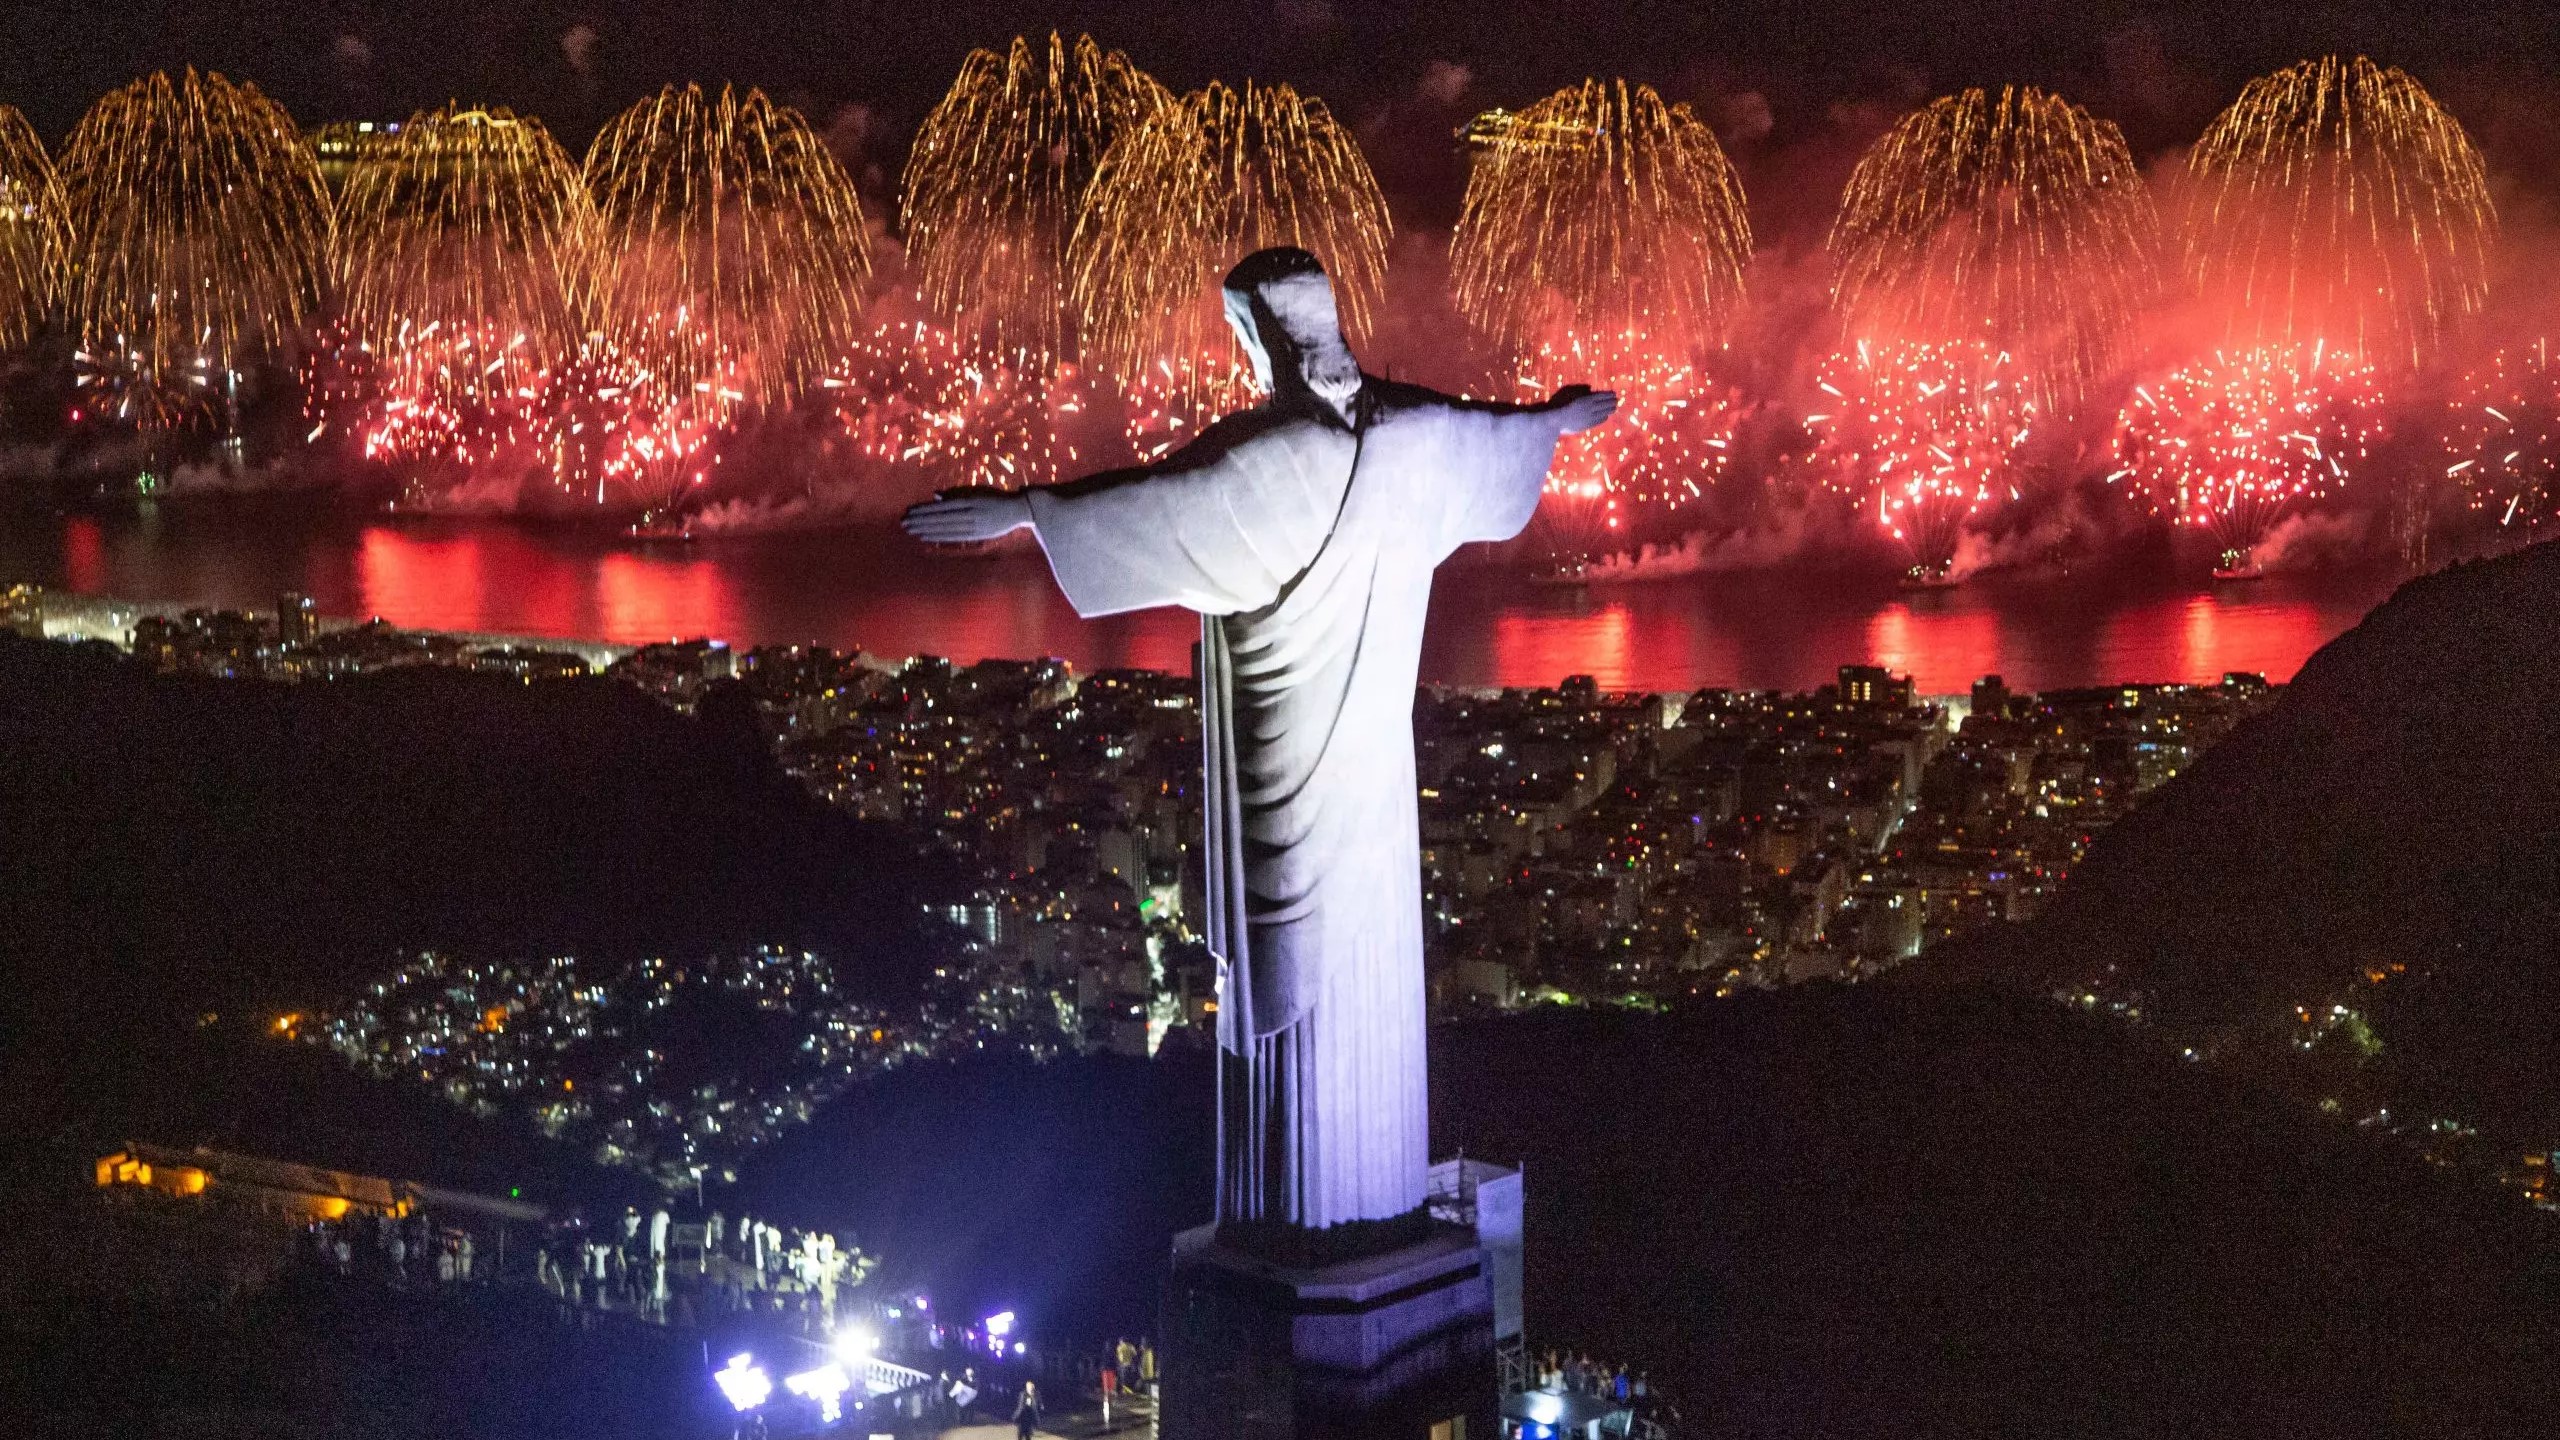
{"x": 1216, "y": 527}
{"x": 973, "y": 515}
{"x": 1498, "y": 457}
{"x": 964, "y": 517}
{"x": 1577, "y": 408}
{"x": 1572, "y": 410}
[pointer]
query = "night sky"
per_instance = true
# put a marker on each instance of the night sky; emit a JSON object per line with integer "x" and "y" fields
{"x": 1770, "y": 74}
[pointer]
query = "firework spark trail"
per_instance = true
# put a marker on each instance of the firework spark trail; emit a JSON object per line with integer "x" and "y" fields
{"x": 1628, "y": 482}
{"x": 1600, "y": 211}
{"x": 2232, "y": 441}
{"x": 1184, "y": 195}
{"x": 2018, "y": 222}
{"x": 915, "y": 398}
{"x": 610, "y": 424}
{"x": 2336, "y": 200}
{"x": 190, "y": 243}
{"x": 1923, "y": 436}
{"x": 994, "y": 179}
{"x": 738, "y": 260}
{"x": 2502, "y": 437}
{"x": 28, "y": 199}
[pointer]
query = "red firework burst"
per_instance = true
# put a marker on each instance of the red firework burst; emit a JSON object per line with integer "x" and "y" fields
{"x": 2234, "y": 440}
{"x": 1922, "y": 436}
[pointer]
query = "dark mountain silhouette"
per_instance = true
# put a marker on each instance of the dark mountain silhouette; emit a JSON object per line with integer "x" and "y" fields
{"x": 2399, "y": 806}
{"x": 177, "y": 845}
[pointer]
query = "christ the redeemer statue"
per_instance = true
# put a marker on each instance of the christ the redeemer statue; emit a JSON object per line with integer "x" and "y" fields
{"x": 1304, "y": 531}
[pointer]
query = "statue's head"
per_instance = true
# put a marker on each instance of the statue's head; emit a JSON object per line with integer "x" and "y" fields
{"x": 1281, "y": 305}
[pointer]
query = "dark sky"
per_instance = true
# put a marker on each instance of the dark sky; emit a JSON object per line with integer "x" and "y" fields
{"x": 2160, "y": 70}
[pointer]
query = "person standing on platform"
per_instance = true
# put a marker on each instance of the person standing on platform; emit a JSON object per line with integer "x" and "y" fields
{"x": 1026, "y": 1412}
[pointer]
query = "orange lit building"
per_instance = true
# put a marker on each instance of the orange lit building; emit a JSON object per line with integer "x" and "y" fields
{"x": 287, "y": 1190}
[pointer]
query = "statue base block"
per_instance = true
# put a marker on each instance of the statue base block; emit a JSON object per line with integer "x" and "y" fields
{"x": 1394, "y": 1346}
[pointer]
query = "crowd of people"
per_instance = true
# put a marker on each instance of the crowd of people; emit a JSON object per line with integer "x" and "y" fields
{"x": 656, "y": 1269}
{"x": 401, "y": 1250}
{"x": 1568, "y": 1373}
{"x": 646, "y": 1267}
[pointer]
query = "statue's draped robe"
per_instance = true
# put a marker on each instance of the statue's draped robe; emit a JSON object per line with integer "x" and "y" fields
{"x": 1308, "y": 549}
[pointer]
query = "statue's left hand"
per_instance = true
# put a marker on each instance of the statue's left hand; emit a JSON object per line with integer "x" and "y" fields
{"x": 1579, "y": 407}
{"x": 962, "y": 517}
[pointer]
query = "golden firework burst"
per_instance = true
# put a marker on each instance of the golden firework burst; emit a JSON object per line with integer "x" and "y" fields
{"x": 993, "y": 182}
{"x": 467, "y": 222}
{"x": 2335, "y": 200}
{"x": 2016, "y": 221}
{"x": 1194, "y": 188}
{"x": 28, "y": 199}
{"x": 1600, "y": 210}
{"x": 191, "y": 238}
{"x": 736, "y": 245}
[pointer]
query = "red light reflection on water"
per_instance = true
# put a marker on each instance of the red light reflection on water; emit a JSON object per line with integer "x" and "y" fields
{"x": 1673, "y": 638}
{"x": 84, "y": 556}
{"x": 433, "y": 583}
{"x": 492, "y": 581}
{"x": 1542, "y": 649}
{"x": 1942, "y": 651}
{"x": 1762, "y": 631}
{"x": 643, "y": 598}
{"x": 2272, "y": 638}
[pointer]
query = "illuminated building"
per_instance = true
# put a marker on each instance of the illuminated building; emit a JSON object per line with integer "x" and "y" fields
{"x": 297, "y": 623}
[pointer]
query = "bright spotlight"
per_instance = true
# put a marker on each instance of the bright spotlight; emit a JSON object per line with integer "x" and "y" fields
{"x": 826, "y": 1385}
{"x": 744, "y": 1383}
{"x": 854, "y": 1345}
{"x": 999, "y": 1325}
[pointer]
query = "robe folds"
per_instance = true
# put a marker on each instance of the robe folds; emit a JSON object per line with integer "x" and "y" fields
{"x": 1307, "y": 545}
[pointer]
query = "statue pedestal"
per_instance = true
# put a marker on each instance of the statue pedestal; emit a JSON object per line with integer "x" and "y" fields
{"x": 1394, "y": 1346}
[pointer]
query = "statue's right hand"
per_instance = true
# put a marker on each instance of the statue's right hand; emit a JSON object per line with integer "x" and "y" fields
{"x": 964, "y": 517}
{"x": 1579, "y": 407}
